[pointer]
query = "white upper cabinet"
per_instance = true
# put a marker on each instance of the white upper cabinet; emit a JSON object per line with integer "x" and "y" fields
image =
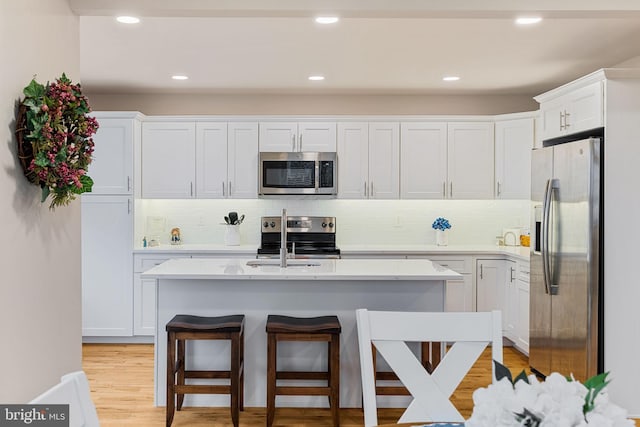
{"x": 227, "y": 160}
{"x": 514, "y": 142}
{"x": 211, "y": 160}
{"x": 294, "y": 136}
{"x": 112, "y": 165}
{"x": 168, "y": 160}
{"x": 423, "y": 160}
{"x": 242, "y": 160}
{"x": 368, "y": 160}
{"x": 573, "y": 111}
{"x": 353, "y": 160}
{"x": 470, "y": 164}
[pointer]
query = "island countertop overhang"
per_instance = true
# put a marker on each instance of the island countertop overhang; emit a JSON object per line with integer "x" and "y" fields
{"x": 340, "y": 269}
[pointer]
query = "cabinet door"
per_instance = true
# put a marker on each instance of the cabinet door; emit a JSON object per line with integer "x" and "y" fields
{"x": 112, "y": 165}
{"x": 278, "y": 136}
{"x": 107, "y": 272}
{"x": 490, "y": 285}
{"x": 514, "y": 142}
{"x": 384, "y": 160}
{"x": 211, "y": 160}
{"x": 522, "y": 330}
{"x": 459, "y": 294}
{"x": 168, "y": 160}
{"x": 510, "y": 308}
{"x": 470, "y": 160}
{"x": 423, "y": 156}
{"x": 317, "y": 136}
{"x": 242, "y": 160}
{"x": 584, "y": 108}
{"x": 353, "y": 160}
{"x": 552, "y": 115}
{"x": 144, "y": 298}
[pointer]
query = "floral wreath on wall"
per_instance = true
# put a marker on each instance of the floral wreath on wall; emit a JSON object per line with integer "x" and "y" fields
{"x": 54, "y": 133}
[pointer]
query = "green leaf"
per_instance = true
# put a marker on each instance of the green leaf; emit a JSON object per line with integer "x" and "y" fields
{"x": 41, "y": 159}
{"x": 594, "y": 385}
{"x": 522, "y": 376}
{"x": 45, "y": 193}
{"x": 62, "y": 154}
{"x": 87, "y": 183}
{"x": 502, "y": 372}
{"x": 34, "y": 90}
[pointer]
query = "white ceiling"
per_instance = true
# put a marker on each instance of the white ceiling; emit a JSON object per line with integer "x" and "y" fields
{"x": 378, "y": 47}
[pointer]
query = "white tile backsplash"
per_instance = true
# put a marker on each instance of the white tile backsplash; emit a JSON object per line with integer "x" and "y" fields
{"x": 375, "y": 222}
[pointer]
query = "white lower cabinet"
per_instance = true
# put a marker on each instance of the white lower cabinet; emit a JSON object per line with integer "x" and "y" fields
{"x": 107, "y": 296}
{"x": 144, "y": 292}
{"x": 459, "y": 294}
{"x": 504, "y": 285}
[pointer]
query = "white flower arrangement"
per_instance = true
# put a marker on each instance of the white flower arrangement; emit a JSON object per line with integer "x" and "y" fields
{"x": 556, "y": 402}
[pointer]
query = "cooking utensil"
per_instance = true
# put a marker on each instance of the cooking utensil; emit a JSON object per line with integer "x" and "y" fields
{"x": 226, "y": 219}
{"x": 233, "y": 218}
{"x": 241, "y": 219}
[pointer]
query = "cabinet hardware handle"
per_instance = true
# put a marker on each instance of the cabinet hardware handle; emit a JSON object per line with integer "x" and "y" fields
{"x": 128, "y": 183}
{"x": 129, "y": 206}
{"x": 223, "y": 192}
{"x": 481, "y": 275}
{"x": 498, "y": 189}
{"x": 561, "y": 120}
{"x": 371, "y": 192}
{"x": 300, "y": 143}
{"x": 566, "y": 122}
{"x": 366, "y": 193}
{"x": 451, "y": 189}
{"x": 293, "y": 141}
{"x": 444, "y": 190}
{"x": 511, "y": 278}
{"x": 229, "y": 188}
{"x": 191, "y": 188}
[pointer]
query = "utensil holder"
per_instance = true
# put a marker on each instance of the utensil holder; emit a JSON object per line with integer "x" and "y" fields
{"x": 442, "y": 237}
{"x": 232, "y": 235}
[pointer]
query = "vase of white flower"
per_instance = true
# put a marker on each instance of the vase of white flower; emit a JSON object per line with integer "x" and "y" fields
{"x": 442, "y": 237}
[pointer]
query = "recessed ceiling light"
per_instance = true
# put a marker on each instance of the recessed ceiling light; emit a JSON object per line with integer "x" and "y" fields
{"x": 128, "y": 19}
{"x": 316, "y": 78}
{"x": 180, "y": 77}
{"x": 327, "y": 19}
{"x": 528, "y": 20}
{"x": 450, "y": 78}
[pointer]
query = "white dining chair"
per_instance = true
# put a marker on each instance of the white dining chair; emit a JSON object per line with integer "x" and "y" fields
{"x": 468, "y": 334}
{"x": 73, "y": 389}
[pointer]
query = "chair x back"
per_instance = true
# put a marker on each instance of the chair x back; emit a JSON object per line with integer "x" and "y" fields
{"x": 469, "y": 334}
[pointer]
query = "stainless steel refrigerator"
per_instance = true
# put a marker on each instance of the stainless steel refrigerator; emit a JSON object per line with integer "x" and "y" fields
{"x": 566, "y": 292}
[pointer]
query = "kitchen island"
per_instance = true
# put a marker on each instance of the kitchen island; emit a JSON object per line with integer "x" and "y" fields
{"x": 215, "y": 287}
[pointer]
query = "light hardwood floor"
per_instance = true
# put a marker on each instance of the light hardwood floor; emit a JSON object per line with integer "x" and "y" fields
{"x": 121, "y": 380}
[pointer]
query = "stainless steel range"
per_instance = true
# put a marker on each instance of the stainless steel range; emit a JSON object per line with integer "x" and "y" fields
{"x": 307, "y": 236}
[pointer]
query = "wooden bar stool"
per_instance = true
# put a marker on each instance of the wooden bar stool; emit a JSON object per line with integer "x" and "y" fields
{"x": 184, "y": 327}
{"x": 286, "y": 328}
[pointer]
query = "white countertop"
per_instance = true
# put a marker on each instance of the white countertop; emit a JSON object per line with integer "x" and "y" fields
{"x": 341, "y": 269}
{"x": 519, "y": 252}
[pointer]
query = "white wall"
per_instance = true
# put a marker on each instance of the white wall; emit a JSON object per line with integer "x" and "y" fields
{"x": 399, "y": 222}
{"x": 248, "y": 104}
{"x": 40, "y": 291}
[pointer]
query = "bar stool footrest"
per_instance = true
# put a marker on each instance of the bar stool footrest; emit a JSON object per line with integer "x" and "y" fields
{"x": 202, "y": 389}
{"x": 303, "y": 391}
{"x": 302, "y": 375}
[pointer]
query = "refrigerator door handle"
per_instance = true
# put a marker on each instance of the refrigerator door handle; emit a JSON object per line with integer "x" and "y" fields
{"x": 544, "y": 247}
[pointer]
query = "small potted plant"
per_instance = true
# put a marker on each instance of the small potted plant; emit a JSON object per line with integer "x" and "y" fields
{"x": 441, "y": 225}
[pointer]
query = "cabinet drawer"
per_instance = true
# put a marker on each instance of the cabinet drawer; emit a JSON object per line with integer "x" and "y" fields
{"x": 459, "y": 265}
{"x": 523, "y": 272}
{"x": 145, "y": 262}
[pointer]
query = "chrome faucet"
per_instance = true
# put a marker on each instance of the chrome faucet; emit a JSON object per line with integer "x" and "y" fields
{"x": 283, "y": 239}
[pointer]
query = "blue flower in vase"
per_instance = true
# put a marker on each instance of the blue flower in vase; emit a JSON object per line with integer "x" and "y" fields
{"x": 441, "y": 224}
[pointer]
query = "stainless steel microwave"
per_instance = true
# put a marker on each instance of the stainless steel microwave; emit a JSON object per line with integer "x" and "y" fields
{"x": 304, "y": 173}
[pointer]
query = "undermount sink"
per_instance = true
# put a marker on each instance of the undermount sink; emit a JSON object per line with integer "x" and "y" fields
{"x": 276, "y": 263}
